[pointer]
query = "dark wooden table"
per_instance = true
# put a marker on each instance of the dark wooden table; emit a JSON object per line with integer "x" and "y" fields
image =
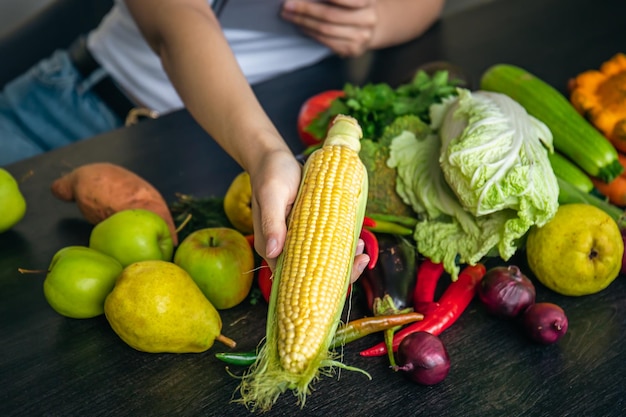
{"x": 54, "y": 366}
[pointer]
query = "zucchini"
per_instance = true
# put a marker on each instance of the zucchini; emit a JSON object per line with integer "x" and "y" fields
{"x": 566, "y": 169}
{"x": 573, "y": 136}
{"x": 569, "y": 194}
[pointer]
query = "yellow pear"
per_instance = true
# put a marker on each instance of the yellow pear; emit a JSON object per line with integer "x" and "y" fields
{"x": 578, "y": 252}
{"x": 238, "y": 203}
{"x": 156, "y": 306}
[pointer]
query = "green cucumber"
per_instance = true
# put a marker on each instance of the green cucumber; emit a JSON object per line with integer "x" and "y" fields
{"x": 564, "y": 168}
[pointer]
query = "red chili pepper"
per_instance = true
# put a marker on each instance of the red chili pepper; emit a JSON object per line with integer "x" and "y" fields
{"x": 428, "y": 275}
{"x": 369, "y": 222}
{"x": 371, "y": 246}
{"x": 452, "y": 304}
{"x": 250, "y": 239}
{"x": 264, "y": 280}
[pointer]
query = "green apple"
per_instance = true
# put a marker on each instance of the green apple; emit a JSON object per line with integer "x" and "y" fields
{"x": 79, "y": 280}
{"x": 12, "y": 203}
{"x": 221, "y": 262}
{"x": 133, "y": 235}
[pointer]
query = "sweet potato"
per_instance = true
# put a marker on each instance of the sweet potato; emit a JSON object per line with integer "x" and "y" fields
{"x": 102, "y": 189}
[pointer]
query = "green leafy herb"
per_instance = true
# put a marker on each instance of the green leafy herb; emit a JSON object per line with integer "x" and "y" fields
{"x": 376, "y": 106}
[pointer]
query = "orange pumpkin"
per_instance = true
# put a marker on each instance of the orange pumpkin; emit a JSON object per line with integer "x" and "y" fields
{"x": 600, "y": 96}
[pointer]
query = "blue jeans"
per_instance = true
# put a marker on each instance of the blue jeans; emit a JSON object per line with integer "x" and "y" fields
{"x": 48, "y": 107}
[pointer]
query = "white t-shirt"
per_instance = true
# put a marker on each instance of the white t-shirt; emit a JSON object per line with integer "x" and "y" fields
{"x": 264, "y": 44}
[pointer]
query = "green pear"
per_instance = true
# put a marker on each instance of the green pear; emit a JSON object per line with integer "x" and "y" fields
{"x": 133, "y": 235}
{"x": 12, "y": 202}
{"x": 78, "y": 281}
{"x": 157, "y": 307}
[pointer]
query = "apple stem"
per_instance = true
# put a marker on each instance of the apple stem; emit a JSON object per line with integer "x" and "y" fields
{"x": 31, "y": 271}
{"x": 226, "y": 340}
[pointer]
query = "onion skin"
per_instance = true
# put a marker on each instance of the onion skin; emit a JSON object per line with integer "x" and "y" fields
{"x": 423, "y": 358}
{"x": 506, "y": 292}
{"x": 545, "y": 323}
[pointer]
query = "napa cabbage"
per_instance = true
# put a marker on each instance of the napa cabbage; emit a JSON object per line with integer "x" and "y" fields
{"x": 478, "y": 181}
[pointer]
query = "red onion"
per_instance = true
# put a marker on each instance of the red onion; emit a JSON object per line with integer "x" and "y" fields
{"x": 424, "y": 358}
{"x": 505, "y": 291}
{"x": 545, "y": 322}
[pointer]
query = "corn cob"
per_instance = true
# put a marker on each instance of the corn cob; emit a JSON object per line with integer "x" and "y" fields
{"x": 313, "y": 272}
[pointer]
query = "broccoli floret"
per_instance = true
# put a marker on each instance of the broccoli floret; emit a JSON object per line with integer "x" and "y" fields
{"x": 409, "y": 122}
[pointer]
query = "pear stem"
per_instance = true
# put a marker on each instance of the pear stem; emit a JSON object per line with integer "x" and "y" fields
{"x": 226, "y": 340}
{"x": 31, "y": 271}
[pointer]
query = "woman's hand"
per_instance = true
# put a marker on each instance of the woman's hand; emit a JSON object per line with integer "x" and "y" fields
{"x": 275, "y": 184}
{"x": 360, "y": 261}
{"x": 345, "y": 26}
{"x": 275, "y": 181}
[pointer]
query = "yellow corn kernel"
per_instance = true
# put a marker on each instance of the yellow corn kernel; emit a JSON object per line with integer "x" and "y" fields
{"x": 313, "y": 272}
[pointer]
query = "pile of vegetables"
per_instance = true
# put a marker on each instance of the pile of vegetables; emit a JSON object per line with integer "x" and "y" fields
{"x": 469, "y": 173}
{"x": 456, "y": 176}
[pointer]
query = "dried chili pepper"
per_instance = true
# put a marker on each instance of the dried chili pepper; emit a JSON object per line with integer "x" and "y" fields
{"x": 350, "y": 332}
{"x": 452, "y": 303}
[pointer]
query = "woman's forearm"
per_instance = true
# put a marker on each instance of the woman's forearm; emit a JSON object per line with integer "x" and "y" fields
{"x": 197, "y": 58}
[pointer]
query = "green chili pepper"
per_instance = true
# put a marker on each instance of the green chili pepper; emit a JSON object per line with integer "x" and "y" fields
{"x": 405, "y": 221}
{"x": 383, "y": 226}
{"x": 237, "y": 358}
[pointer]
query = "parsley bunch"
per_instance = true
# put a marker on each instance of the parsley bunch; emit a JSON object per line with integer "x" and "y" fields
{"x": 376, "y": 106}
